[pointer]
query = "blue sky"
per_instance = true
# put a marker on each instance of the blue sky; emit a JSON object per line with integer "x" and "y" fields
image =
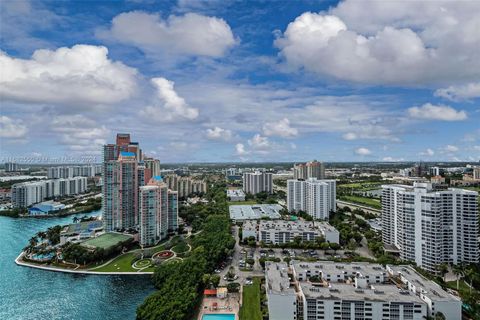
{"x": 196, "y": 80}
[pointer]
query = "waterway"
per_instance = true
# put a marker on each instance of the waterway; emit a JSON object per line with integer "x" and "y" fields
{"x": 28, "y": 293}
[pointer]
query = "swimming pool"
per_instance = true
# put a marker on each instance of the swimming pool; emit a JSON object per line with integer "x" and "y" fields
{"x": 218, "y": 316}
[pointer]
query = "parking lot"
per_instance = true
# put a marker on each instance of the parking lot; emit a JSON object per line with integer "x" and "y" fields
{"x": 240, "y": 264}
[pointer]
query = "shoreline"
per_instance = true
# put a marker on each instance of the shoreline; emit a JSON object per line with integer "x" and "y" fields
{"x": 21, "y": 263}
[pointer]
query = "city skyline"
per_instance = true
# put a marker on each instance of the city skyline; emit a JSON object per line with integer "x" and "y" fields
{"x": 208, "y": 82}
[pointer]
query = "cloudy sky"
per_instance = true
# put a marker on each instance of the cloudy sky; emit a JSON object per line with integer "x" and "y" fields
{"x": 195, "y": 80}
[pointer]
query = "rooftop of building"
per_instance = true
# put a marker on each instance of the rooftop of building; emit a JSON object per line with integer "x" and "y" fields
{"x": 278, "y": 282}
{"x": 277, "y": 279}
{"x": 235, "y": 192}
{"x": 127, "y": 154}
{"x": 428, "y": 188}
{"x": 331, "y": 268}
{"x": 430, "y": 288}
{"x": 254, "y": 212}
{"x": 347, "y": 291}
{"x": 281, "y": 225}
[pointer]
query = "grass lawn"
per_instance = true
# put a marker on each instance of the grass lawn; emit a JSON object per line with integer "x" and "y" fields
{"x": 250, "y": 309}
{"x": 180, "y": 248}
{"x": 106, "y": 240}
{"x": 123, "y": 264}
{"x": 368, "y": 202}
{"x": 461, "y": 285}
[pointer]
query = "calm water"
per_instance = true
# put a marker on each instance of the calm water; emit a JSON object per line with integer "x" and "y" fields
{"x": 27, "y": 293}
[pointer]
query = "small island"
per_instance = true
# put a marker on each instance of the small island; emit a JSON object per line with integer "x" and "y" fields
{"x": 84, "y": 247}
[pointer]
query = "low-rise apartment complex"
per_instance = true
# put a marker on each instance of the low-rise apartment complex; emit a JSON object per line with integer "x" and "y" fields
{"x": 235, "y": 195}
{"x": 349, "y": 291}
{"x": 240, "y": 213}
{"x": 281, "y": 231}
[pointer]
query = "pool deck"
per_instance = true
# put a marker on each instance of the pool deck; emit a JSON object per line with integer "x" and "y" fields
{"x": 232, "y": 300}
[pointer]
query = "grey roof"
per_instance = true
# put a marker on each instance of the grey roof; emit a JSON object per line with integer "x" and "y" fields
{"x": 277, "y": 280}
{"x": 344, "y": 291}
{"x": 430, "y": 288}
{"x": 256, "y": 211}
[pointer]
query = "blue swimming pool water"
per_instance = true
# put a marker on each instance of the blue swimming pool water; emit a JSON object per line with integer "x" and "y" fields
{"x": 33, "y": 294}
{"x": 218, "y": 317}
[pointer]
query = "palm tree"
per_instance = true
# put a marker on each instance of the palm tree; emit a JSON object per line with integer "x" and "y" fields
{"x": 470, "y": 274}
{"x": 33, "y": 242}
{"x": 443, "y": 269}
{"x": 458, "y": 271}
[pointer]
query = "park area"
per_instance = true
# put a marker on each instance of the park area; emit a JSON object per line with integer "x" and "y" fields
{"x": 146, "y": 260}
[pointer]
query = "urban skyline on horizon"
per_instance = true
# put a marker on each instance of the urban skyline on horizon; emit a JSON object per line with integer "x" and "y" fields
{"x": 201, "y": 84}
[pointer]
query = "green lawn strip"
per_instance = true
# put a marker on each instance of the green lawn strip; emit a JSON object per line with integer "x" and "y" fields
{"x": 240, "y": 203}
{"x": 360, "y": 186}
{"x": 250, "y": 309}
{"x": 368, "y": 202}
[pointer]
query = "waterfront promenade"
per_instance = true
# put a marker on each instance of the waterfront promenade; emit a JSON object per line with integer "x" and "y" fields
{"x": 19, "y": 262}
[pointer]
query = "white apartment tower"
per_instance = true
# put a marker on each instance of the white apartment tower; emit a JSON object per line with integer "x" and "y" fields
{"x": 431, "y": 227}
{"x": 256, "y": 182}
{"x": 158, "y": 211}
{"x": 315, "y": 197}
{"x": 311, "y": 169}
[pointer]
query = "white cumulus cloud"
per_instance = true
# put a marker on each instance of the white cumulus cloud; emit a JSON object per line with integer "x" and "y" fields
{"x": 280, "y": 128}
{"x": 387, "y": 42}
{"x": 168, "y": 105}
{"x": 240, "y": 149}
{"x": 11, "y": 128}
{"x": 218, "y": 133}
{"x": 450, "y": 148}
{"x": 429, "y": 111}
{"x": 259, "y": 143}
{"x": 428, "y": 152}
{"x": 462, "y": 92}
{"x": 189, "y": 34}
{"x": 82, "y": 74}
{"x": 363, "y": 151}
{"x": 79, "y": 133}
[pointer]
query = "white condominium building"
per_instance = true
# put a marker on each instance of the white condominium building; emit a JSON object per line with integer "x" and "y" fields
{"x": 73, "y": 171}
{"x": 312, "y": 169}
{"x": 185, "y": 185}
{"x": 350, "y": 291}
{"x": 256, "y": 182}
{"x": 315, "y": 197}
{"x": 476, "y": 173}
{"x": 11, "y": 167}
{"x": 158, "y": 211}
{"x": 28, "y": 193}
{"x": 281, "y": 231}
{"x": 153, "y": 165}
{"x": 431, "y": 227}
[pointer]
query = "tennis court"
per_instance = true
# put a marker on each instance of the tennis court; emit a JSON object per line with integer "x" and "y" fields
{"x": 106, "y": 240}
